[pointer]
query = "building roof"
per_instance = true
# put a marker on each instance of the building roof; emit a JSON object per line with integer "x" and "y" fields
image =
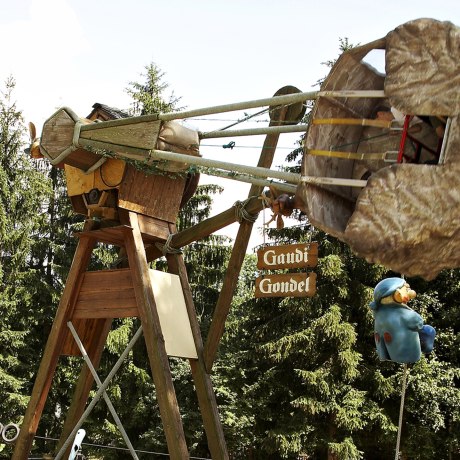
{"x": 105, "y": 112}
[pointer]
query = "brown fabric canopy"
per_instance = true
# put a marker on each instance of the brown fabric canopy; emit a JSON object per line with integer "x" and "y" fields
{"x": 408, "y": 216}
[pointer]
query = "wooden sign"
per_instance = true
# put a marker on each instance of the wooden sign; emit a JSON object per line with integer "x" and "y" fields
{"x": 288, "y": 256}
{"x": 286, "y": 285}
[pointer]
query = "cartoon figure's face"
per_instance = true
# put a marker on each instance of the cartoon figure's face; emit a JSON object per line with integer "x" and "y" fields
{"x": 384, "y": 115}
{"x": 404, "y": 294}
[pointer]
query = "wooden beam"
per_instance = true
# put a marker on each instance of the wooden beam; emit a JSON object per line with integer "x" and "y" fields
{"x": 53, "y": 347}
{"x": 203, "y": 385}
{"x": 154, "y": 341}
{"x": 205, "y": 228}
{"x": 216, "y": 330}
{"x": 106, "y": 294}
{"x": 142, "y": 135}
{"x": 240, "y": 245}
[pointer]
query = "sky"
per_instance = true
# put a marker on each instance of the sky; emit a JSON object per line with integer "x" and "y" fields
{"x": 78, "y": 52}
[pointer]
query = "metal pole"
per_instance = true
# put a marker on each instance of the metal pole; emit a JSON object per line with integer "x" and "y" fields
{"x": 275, "y": 100}
{"x": 99, "y": 393}
{"x": 401, "y": 410}
{"x": 254, "y": 170}
{"x": 442, "y": 154}
{"x": 270, "y": 101}
{"x": 254, "y": 131}
{"x": 288, "y": 188}
{"x": 105, "y": 395}
{"x": 152, "y": 155}
{"x": 333, "y": 181}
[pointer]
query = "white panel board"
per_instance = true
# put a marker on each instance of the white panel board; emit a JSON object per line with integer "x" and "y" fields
{"x": 172, "y": 311}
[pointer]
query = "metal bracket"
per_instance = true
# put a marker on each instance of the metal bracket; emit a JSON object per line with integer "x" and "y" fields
{"x": 102, "y": 386}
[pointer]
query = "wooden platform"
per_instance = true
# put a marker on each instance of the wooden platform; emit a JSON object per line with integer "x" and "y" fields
{"x": 152, "y": 231}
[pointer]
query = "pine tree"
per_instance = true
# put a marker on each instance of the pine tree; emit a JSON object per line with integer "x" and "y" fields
{"x": 22, "y": 191}
{"x": 306, "y": 375}
{"x": 433, "y": 406}
{"x": 132, "y": 390}
{"x": 149, "y": 96}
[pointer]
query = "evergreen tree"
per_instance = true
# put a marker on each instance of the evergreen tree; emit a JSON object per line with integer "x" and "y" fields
{"x": 132, "y": 390}
{"x": 53, "y": 255}
{"x": 306, "y": 376}
{"x": 22, "y": 191}
{"x": 149, "y": 95}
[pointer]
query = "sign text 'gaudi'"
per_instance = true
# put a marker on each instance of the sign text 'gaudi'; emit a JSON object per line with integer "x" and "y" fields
{"x": 288, "y": 256}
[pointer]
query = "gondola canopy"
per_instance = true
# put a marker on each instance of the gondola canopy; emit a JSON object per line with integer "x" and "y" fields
{"x": 407, "y": 215}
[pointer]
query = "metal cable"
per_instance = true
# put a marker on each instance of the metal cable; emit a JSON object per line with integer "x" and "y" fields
{"x": 401, "y": 409}
{"x": 269, "y": 110}
{"x": 89, "y": 444}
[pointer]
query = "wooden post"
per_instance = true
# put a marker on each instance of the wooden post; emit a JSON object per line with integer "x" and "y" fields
{"x": 53, "y": 347}
{"x": 204, "y": 228}
{"x": 205, "y": 393}
{"x": 240, "y": 245}
{"x": 154, "y": 341}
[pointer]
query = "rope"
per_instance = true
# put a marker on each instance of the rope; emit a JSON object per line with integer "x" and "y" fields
{"x": 248, "y": 117}
{"x": 401, "y": 409}
{"x": 249, "y": 147}
{"x": 166, "y": 248}
{"x": 265, "y": 201}
{"x": 241, "y": 213}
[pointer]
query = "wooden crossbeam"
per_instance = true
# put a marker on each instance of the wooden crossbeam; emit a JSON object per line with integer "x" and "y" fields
{"x": 205, "y": 228}
{"x": 106, "y": 294}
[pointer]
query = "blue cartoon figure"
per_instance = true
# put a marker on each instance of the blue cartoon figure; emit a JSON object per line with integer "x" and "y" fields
{"x": 399, "y": 332}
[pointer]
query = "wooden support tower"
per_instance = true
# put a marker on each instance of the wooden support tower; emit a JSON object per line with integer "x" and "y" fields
{"x": 137, "y": 211}
{"x": 90, "y": 301}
